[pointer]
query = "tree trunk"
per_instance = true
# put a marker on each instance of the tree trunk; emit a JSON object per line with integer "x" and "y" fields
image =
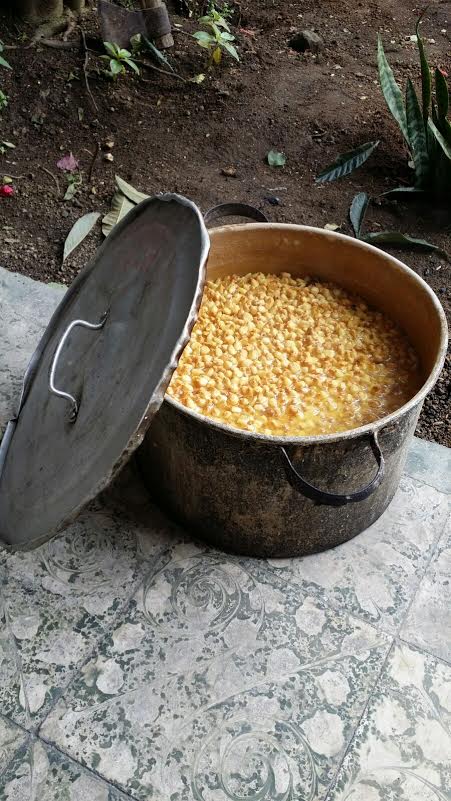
{"x": 43, "y": 10}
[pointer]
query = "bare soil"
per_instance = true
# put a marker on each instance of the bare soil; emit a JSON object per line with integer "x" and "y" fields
{"x": 171, "y": 135}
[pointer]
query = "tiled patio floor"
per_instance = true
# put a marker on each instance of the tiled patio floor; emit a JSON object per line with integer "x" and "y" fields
{"x": 136, "y": 663}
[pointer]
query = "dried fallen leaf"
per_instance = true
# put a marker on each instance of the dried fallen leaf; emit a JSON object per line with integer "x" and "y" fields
{"x": 129, "y": 191}
{"x": 331, "y": 227}
{"x": 79, "y": 232}
{"x": 120, "y": 206}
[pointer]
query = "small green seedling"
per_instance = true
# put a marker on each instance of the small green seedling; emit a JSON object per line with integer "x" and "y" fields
{"x": 3, "y": 100}
{"x": 4, "y": 146}
{"x": 218, "y": 37}
{"x": 3, "y": 61}
{"x": 118, "y": 59}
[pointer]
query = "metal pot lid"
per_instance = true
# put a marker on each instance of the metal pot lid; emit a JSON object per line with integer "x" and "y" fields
{"x": 102, "y": 368}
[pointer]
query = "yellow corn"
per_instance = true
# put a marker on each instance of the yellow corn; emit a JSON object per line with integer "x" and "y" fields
{"x": 292, "y": 357}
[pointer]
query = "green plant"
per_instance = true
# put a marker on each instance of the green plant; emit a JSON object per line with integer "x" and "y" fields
{"x": 3, "y": 61}
{"x": 74, "y": 182}
{"x": 425, "y": 127}
{"x": 3, "y": 100}
{"x": 4, "y": 146}
{"x": 218, "y": 37}
{"x": 118, "y": 59}
{"x": 357, "y": 212}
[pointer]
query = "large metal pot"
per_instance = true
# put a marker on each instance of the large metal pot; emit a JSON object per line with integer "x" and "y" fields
{"x": 279, "y": 497}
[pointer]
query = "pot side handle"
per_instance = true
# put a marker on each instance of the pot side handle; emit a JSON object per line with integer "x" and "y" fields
{"x": 330, "y": 498}
{"x": 234, "y": 210}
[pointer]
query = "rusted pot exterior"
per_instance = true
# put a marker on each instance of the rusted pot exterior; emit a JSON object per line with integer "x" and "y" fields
{"x": 237, "y": 490}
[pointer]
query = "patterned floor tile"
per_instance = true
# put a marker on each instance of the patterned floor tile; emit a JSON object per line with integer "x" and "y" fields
{"x": 428, "y": 623}
{"x": 402, "y": 749}
{"x": 11, "y": 738}
{"x": 431, "y": 463}
{"x": 376, "y": 574}
{"x": 39, "y": 773}
{"x": 222, "y": 683}
{"x": 59, "y": 599}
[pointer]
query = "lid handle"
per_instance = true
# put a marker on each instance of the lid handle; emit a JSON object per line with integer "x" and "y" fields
{"x": 62, "y": 342}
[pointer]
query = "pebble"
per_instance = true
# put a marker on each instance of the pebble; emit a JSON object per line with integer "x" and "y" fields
{"x": 306, "y": 40}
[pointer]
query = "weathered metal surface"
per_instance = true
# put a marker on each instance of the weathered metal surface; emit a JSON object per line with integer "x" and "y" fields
{"x": 231, "y": 487}
{"x": 149, "y": 275}
{"x": 234, "y": 492}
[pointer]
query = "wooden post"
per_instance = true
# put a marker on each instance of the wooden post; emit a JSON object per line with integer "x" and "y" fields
{"x": 166, "y": 40}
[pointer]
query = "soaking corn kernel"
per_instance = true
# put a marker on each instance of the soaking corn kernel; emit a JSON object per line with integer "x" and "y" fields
{"x": 287, "y": 356}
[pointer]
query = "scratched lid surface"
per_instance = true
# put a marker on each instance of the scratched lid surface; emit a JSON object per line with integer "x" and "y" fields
{"x": 102, "y": 368}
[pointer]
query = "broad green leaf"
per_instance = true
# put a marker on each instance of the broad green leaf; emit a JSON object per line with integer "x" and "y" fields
{"x": 110, "y": 48}
{"x": 129, "y": 191}
{"x": 276, "y": 159}
{"x": 227, "y": 37}
{"x": 402, "y": 241}
{"x": 122, "y": 53}
{"x": 425, "y": 76}
{"x": 116, "y": 67}
{"x": 5, "y": 63}
{"x": 417, "y": 135}
{"x": 217, "y": 55}
{"x": 442, "y": 95}
{"x": 7, "y": 144}
{"x": 347, "y": 163}
{"x": 357, "y": 212}
{"x": 440, "y": 139}
{"x": 120, "y": 206}
{"x": 132, "y": 65}
{"x": 203, "y": 38}
{"x": 217, "y": 33}
{"x": 391, "y": 91}
{"x": 79, "y": 232}
{"x": 70, "y": 191}
{"x": 231, "y": 49}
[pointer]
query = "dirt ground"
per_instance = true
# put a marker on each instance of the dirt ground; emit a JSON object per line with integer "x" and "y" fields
{"x": 178, "y": 136}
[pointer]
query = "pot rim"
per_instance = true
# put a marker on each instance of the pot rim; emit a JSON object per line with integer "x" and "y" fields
{"x": 352, "y": 433}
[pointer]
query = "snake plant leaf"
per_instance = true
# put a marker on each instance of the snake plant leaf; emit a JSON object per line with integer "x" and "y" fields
{"x": 446, "y": 147}
{"x": 158, "y": 55}
{"x": 346, "y": 163}
{"x": 129, "y": 191}
{"x": 403, "y": 191}
{"x": 120, "y": 206}
{"x": 357, "y": 212}
{"x": 417, "y": 135}
{"x": 442, "y": 95}
{"x": 402, "y": 241}
{"x": 426, "y": 87}
{"x": 79, "y": 232}
{"x": 391, "y": 91}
